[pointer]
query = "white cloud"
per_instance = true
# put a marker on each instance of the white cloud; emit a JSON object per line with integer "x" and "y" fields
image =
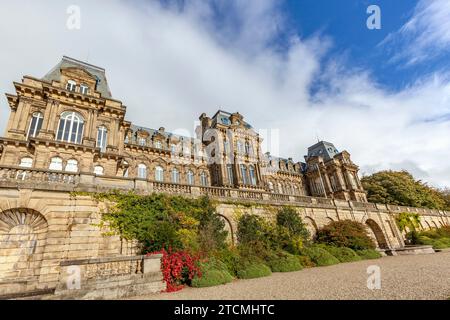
{"x": 425, "y": 35}
{"x": 170, "y": 65}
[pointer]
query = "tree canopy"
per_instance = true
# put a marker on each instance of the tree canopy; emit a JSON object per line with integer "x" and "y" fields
{"x": 400, "y": 188}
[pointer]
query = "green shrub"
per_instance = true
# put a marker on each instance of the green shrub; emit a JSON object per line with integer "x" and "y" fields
{"x": 368, "y": 254}
{"x": 345, "y": 233}
{"x": 284, "y": 262}
{"x": 320, "y": 256}
{"x": 306, "y": 261}
{"x": 212, "y": 278}
{"x": 289, "y": 218}
{"x": 253, "y": 270}
{"x": 251, "y": 229}
{"x": 214, "y": 273}
{"x": 343, "y": 254}
{"x": 230, "y": 258}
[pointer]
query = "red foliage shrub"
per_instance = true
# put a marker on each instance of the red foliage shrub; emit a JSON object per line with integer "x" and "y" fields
{"x": 178, "y": 268}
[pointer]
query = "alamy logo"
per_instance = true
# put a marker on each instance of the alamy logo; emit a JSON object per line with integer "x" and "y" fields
{"x": 374, "y": 20}
{"x": 74, "y": 19}
{"x": 374, "y": 279}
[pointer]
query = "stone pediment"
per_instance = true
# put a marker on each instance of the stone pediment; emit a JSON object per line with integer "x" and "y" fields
{"x": 78, "y": 74}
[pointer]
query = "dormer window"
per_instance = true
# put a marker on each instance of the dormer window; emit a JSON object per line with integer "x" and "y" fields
{"x": 71, "y": 85}
{"x": 84, "y": 89}
{"x": 158, "y": 144}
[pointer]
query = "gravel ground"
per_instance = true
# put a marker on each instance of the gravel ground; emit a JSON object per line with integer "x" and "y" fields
{"x": 402, "y": 277}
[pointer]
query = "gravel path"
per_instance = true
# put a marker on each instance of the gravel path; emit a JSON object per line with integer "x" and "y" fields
{"x": 403, "y": 277}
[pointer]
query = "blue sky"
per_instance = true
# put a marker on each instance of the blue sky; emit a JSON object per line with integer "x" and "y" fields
{"x": 296, "y": 70}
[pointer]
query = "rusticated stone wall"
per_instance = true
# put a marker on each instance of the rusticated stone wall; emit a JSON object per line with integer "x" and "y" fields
{"x": 42, "y": 228}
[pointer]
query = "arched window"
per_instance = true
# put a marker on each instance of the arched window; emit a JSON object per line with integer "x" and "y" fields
{"x": 190, "y": 178}
{"x": 102, "y": 138}
{"x": 159, "y": 174}
{"x": 271, "y": 186}
{"x": 142, "y": 141}
{"x": 71, "y": 127}
{"x": 204, "y": 179}
{"x": 71, "y": 85}
{"x": 226, "y": 145}
{"x": 247, "y": 148}
{"x": 175, "y": 176}
{"x": 142, "y": 171}
{"x": 239, "y": 147}
{"x": 84, "y": 89}
{"x": 35, "y": 124}
{"x": 98, "y": 170}
{"x": 26, "y": 162}
{"x": 252, "y": 175}
{"x": 244, "y": 174}
{"x": 158, "y": 144}
{"x": 125, "y": 171}
{"x": 72, "y": 166}
{"x": 230, "y": 173}
{"x": 56, "y": 164}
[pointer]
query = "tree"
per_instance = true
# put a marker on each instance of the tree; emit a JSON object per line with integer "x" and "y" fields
{"x": 400, "y": 188}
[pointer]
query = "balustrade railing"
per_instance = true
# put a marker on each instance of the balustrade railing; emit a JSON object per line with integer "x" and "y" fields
{"x": 19, "y": 175}
{"x": 34, "y": 175}
{"x": 171, "y": 188}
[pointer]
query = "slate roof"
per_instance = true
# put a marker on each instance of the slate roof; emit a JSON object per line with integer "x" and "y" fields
{"x": 67, "y": 62}
{"x": 324, "y": 149}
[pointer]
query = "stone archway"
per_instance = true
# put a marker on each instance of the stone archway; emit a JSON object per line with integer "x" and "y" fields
{"x": 23, "y": 235}
{"x": 229, "y": 228}
{"x": 311, "y": 226}
{"x": 377, "y": 234}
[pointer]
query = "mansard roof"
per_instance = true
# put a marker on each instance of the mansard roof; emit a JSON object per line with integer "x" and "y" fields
{"x": 97, "y": 72}
{"x": 152, "y": 132}
{"x": 223, "y": 117}
{"x": 323, "y": 149}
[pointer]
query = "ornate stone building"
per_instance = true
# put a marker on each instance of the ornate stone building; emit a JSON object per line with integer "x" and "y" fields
{"x": 68, "y": 121}
{"x": 66, "y": 133}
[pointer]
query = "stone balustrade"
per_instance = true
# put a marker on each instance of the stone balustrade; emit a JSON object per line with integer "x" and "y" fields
{"x": 44, "y": 179}
{"x": 109, "y": 278}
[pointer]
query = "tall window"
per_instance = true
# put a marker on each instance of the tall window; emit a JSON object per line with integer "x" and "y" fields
{"x": 102, "y": 136}
{"x": 84, "y": 89}
{"x": 204, "y": 179}
{"x": 142, "y": 171}
{"x": 226, "y": 146}
{"x": 173, "y": 148}
{"x": 239, "y": 147}
{"x": 72, "y": 166}
{"x": 159, "y": 174}
{"x": 175, "y": 176}
{"x": 98, "y": 170}
{"x": 71, "y": 85}
{"x": 252, "y": 175}
{"x": 244, "y": 174}
{"x": 125, "y": 171}
{"x": 71, "y": 127}
{"x": 271, "y": 186}
{"x": 190, "y": 178}
{"x": 35, "y": 125}
{"x": 142, "y": 141}
{"x": 248, "y": 148}
{"x": 56, "y": 164}
{"x": 26, "y": 162}
{"x": 230, "y": 173}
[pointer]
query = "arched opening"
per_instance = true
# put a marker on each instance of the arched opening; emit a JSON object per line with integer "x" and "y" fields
{"x": 23, "y": 235}
{"x": 229, "y": 228}
{"x": 311, "y": 226}
{"x": 377, "y": 234}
